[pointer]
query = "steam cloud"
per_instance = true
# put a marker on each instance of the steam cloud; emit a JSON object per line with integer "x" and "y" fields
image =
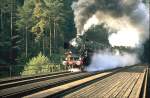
{"x": 107, "y": 60}
{"x": 126, "y": 20}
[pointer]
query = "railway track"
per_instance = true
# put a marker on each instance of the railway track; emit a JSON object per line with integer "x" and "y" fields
{"x": 19, "y": 78}
{"x": 24, "y": 86}
{"x": 82, "y": 84}
{"x": 22, "y": 81}
{"x": 125, "y": 83}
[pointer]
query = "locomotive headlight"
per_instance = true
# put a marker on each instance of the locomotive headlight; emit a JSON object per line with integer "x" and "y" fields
{"x": 78, "y": 62}
{"x": 64, "y": 62}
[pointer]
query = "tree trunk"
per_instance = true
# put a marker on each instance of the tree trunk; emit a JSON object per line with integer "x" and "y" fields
{"x": 1, "y": 21}
{"x": 50, "y": 39}
{"x": 43, "y": 45}
{"x": 26, "y": 46}
{"x": 11, "y": 19}
{"x": 11, "y": 32}
{"x": 54, "y": 36}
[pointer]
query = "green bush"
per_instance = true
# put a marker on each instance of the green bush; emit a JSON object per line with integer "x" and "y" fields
{"x": 36, "y": 65}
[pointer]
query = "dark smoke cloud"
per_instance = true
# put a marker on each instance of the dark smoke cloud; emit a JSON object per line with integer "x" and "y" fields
{"x": 84, "y": 9}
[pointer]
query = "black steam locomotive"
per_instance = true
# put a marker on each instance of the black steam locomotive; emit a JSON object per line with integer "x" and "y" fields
{"x": 78, "y": 58}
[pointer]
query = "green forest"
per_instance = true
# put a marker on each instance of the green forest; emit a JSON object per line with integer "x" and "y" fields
{"x": 33, "y": 32}
{"x": 34, "y": 27}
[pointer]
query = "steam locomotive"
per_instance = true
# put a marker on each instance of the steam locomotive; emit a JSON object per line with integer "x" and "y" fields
{"x": 79, "y": 60}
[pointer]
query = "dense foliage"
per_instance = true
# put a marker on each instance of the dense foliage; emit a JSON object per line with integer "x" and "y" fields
{"x": 36, "y": 65}
{"x": 30, "y": 26}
